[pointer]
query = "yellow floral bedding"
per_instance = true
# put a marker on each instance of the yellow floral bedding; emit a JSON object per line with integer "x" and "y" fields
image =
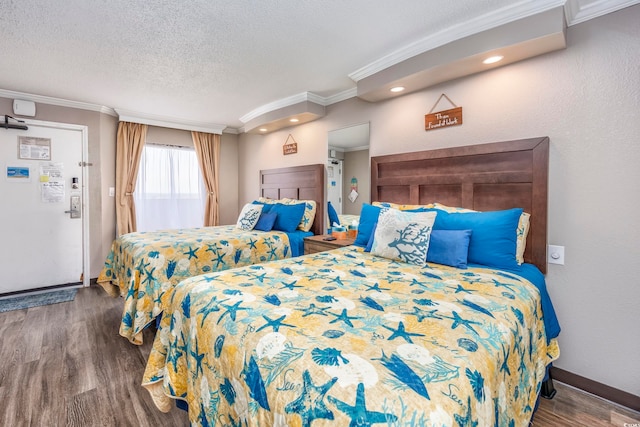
{"x": 144, "y": 267}
{"x": 347, "y": 338}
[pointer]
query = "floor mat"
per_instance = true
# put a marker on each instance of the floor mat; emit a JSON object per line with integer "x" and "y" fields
{"x": 34, "y": 300}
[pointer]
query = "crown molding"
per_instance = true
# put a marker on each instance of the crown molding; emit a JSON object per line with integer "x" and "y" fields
{"x": 281, "y": 103}
{"x": 341, "y": 96}
{"x": 168, "y": 122}
{"x": 484, "y": 22}
{"x": 57, "y": 101}
{"x": 578, "y": 11}
{"x": 233, "y": 131}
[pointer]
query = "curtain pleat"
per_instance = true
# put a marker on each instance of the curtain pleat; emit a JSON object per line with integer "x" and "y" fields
{"x": 129, "y": 143}
{"x": 207, "y": 147}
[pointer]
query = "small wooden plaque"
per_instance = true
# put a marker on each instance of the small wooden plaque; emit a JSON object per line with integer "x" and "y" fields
{"x": 443, "y": 119}
{"x": 290, "y": 148}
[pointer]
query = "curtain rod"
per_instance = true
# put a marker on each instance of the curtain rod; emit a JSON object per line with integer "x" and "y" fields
{"x": 8, "y": 125}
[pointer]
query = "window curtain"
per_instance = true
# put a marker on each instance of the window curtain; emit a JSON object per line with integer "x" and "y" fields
{"x": 170, "y": 190}
{"x": 129, "y": 144}
{"x": 207, "y": 147}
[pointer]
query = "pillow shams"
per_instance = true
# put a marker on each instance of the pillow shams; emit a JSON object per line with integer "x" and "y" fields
{"x": 306, "y": 222}
{"x": 493, "y": 238}
{"x": 368, "y": 217}
{"x": 249, "y": 217}
{"x": 522, "y": 232}
{"x": 333, "y": 215}
{"x": 289, "y": 216}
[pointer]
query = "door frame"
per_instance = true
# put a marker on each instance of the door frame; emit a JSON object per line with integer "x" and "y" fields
{"x": 84, "y": 130}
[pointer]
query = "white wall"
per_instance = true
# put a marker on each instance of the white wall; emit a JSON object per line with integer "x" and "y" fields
{"x": 257, "y": 152}
{"x": 586, "y": 99}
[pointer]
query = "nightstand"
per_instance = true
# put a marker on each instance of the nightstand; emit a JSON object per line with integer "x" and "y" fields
{"x": 315, "y": 244}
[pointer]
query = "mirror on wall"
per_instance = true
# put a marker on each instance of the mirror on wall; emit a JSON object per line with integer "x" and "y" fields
{"x": 348, "y": 176}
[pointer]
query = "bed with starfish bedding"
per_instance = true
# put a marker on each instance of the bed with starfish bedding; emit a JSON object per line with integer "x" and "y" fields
{"x": 350, "y": 337}
{"x": 144, "y": 267}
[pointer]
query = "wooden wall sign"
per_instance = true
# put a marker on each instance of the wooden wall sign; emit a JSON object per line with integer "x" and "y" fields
{"x": 443, "y": 119}
{"x": 290, "y": 147}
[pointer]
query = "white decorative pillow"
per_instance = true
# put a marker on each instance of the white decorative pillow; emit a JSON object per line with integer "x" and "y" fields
{"x": 403, "y": 236}
{"x": 249, "y": 217}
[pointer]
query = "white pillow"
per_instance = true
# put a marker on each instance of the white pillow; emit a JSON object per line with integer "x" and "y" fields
{"x": 249, "y": 217}
{"x": 403, "y": 236}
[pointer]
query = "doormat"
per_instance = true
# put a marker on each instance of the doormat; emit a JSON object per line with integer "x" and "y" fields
{"x": 35, "y": 300}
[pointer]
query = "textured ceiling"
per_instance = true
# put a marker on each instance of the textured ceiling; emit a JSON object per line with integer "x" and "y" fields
{"x": 211, "y": 61}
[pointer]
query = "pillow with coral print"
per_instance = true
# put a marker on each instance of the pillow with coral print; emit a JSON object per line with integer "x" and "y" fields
{"x": 249, "y": 217}
{"x": 403, "y": 236}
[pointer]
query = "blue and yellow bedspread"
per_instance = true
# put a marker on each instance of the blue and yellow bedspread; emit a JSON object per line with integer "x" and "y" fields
{"x": 346, "y": 338}
{"x": 144, "y": 267}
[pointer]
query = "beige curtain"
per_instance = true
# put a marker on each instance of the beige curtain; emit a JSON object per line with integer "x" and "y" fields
{"x": 207, "y": 147}
{"x": 129, "y": 144}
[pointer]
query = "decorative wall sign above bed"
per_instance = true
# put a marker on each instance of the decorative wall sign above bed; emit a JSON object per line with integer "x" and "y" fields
{"x": 290, "y": 147}
{"x": 444, "y": 118}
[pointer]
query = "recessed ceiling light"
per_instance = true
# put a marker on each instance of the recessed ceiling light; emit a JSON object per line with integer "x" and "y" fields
{"x": 294, "y": 120}
{"x": 493, "y": 59}
{"x": 262, "y": 129}
{"x": 397, "y": 89}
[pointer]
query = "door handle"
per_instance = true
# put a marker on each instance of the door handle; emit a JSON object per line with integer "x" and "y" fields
{"x": 74, "y": 209}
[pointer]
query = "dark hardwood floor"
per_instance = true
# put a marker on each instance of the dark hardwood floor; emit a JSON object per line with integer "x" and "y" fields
{"x": 66, "y": 365}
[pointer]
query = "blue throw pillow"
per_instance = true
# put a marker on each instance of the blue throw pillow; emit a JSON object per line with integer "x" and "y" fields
{"x": 373, "y": 233}
{"x": 289, "y": 216}
{"x": 449, "y": 247}
{"x": 368, "y": 217}
{"x": 333, "y": 215}
{"x": 493, "y": 235}
{"x": 266, "y": 221}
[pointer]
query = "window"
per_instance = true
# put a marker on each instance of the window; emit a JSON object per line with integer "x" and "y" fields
{"x": 169, "y": 192}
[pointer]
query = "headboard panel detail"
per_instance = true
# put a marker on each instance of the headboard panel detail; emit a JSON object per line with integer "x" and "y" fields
{"x": 298, "y": 182}
{"x": 484, "y": 177}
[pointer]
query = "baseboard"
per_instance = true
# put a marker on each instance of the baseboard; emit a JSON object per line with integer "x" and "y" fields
{"x": 41, "y": 290}
{"x": 612, "y": 394}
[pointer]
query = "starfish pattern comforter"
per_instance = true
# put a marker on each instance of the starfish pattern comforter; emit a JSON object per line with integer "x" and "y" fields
{"x": 346, "y": 338}
{"x": 144, "y": 267}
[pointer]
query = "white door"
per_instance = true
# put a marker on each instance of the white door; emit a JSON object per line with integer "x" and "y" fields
{"x": 42, "y": 175}
{"x": 334, "y": 184}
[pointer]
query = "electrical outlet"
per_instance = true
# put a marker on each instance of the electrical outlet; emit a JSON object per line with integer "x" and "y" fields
{"x": 112, "y": 192}
{"x": 556, "y": 254}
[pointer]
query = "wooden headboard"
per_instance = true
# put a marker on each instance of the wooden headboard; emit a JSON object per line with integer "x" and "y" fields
{"x": 298, "y": 182}
{"x": 484, "y": 177}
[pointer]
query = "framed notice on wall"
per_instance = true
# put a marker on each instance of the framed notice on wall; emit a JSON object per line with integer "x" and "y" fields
{"x": 32, "y": 148}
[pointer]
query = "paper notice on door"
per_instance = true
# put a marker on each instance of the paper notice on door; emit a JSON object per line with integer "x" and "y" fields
{"x": 52, "y": 170}
{"x": 33, "y": 148}
{"x": 52, "y": 191}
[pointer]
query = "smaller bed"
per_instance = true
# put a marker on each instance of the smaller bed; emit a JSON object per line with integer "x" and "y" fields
{"x": 144, "y": 267}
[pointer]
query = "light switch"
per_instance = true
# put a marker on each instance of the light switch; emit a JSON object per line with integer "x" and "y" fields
{"x": 556, "y": 254}
{"x": 112, "y": 192}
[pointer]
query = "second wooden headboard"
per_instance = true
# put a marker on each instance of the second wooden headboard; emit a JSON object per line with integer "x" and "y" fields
{"x": 484, "y": 177}
{"x": 297, "y": 182}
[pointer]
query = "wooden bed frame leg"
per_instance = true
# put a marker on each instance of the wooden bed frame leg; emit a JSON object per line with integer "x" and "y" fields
{"x": 547, "y": 390}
